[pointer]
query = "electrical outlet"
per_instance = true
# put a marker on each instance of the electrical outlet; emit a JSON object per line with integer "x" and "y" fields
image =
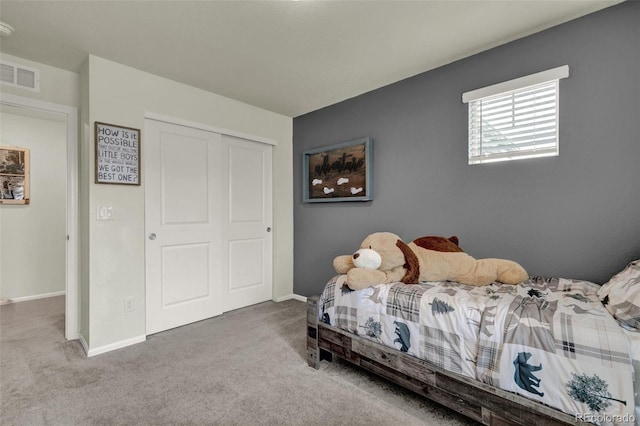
{"x": 129, "y": 304}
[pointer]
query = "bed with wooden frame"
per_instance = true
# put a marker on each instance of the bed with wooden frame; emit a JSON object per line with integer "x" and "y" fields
{"x": 486, "y": 400}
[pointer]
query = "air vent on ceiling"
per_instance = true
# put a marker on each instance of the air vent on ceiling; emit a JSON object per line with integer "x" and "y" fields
{"x": 20, "y": 76}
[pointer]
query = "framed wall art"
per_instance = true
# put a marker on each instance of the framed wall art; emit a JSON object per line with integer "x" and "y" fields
{"x": 117, "y": 154}
{"x": 340, "y": 172}
{"x": 14, "y": 175}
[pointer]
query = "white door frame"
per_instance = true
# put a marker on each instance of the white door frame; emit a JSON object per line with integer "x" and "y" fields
{"x": 71, "y": 113}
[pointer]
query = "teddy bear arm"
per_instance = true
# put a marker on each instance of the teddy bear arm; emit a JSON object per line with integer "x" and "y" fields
{"x": 359, "y": 278}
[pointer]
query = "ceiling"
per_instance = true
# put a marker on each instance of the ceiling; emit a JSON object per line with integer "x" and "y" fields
{"x": 290, "y": 57}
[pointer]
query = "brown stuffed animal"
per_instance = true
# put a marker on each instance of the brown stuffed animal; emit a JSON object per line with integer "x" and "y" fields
{"x": 384, "y": 258}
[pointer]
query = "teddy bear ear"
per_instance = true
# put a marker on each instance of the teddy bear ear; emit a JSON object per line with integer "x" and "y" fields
{"x": 454, "y": 240}
{"x": 412, "y": 265}
{"x": 342, "y": 264}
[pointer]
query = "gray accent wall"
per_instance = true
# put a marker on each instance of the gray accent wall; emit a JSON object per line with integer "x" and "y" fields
{"x": 573, "y": 216}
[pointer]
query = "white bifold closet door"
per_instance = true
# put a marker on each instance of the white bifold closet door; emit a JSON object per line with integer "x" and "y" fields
{"x": 208, "y": 204}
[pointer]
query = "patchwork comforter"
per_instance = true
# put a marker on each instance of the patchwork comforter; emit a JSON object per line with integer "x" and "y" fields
{"x": 550, "y": 340}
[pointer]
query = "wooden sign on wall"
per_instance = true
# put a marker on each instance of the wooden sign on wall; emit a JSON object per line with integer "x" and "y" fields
{"x": 117, "y": 154}
{"x": 341, "y": 172}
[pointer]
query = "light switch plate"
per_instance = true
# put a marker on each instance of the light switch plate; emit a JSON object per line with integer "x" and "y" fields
{"x": 104, "y": 213}
{"x": 129, "y": 304}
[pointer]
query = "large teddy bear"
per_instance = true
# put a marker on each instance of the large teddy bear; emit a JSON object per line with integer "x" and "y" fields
{"x": 384, "y": 258}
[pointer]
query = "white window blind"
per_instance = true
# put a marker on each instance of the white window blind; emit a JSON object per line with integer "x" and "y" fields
{"x": 515, "y": 119}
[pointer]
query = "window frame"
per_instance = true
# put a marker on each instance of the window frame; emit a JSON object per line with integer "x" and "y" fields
{"x": 506, "y": 89}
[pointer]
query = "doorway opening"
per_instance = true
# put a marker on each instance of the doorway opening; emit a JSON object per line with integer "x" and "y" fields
{"x": 39, "y": 240}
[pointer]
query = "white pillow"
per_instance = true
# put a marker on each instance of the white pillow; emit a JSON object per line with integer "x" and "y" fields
{"x": 621, "y": 295}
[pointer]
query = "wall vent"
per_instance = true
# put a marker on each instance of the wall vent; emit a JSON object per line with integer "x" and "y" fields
{"x": 19, "y": 76}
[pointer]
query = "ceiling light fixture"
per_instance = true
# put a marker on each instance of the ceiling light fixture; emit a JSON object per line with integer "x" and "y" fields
{"x": 5, "y": 29}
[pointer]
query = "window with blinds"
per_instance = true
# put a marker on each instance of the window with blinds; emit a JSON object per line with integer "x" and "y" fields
{"x": 516, "y": 119}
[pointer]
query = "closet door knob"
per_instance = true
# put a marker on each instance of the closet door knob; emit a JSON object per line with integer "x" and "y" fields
{"x": 268, "y": 229}
{"x": 152, "y": 236}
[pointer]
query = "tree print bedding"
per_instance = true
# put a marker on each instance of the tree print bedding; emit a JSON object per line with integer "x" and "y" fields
{"x": 550, "y": 340}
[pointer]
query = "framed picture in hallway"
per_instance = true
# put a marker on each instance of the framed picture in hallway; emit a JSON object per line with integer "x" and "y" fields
{"x": 14, "y": 175}
{"x": 340, "y": 172}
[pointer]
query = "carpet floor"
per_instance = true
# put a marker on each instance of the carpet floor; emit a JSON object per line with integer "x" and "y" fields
{"x": 246, "y": 367}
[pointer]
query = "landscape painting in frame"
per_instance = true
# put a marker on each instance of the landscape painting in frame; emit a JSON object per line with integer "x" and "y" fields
{"x": 341, "y": 172}
{"x": 14, "y": 175}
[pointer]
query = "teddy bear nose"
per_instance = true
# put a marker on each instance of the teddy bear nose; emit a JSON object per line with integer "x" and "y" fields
{"x": 356, "y": 255}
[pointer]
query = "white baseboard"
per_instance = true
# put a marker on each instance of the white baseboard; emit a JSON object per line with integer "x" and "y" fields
{"x": 34, "y": 297}
{"x": 112, "y": 346}
{"x": 289, "y": 297}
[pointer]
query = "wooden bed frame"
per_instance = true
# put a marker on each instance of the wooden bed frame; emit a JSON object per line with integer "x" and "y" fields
{"x": 478, "y": 401}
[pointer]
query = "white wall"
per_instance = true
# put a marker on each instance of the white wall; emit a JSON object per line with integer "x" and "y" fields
{"x": 122, "y": 95}
{"x": 33, "y": 242}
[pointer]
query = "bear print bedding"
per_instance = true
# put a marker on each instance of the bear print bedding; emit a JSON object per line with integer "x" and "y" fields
{"x": 550, "y": 340}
